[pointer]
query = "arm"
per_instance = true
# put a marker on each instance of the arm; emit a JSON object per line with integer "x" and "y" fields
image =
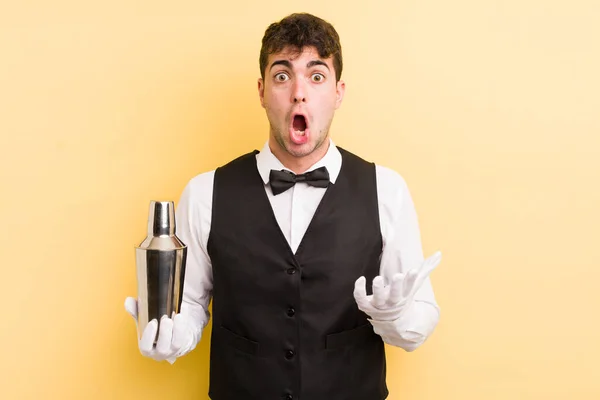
{"x": 410, "y": 318}
{"x": 179, "y": 335}
{"x": 193, "y": 218}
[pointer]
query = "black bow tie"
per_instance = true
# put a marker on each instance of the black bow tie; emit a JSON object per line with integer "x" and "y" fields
{"x": 283, "y": 180}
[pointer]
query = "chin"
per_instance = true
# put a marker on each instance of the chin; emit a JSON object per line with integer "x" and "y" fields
{"x": 300, "y": 150}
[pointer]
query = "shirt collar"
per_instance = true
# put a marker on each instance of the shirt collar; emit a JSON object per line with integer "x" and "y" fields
{"x": 266, "y": 161}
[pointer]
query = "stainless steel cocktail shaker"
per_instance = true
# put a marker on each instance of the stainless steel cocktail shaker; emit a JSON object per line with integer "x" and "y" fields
{"x": 160, "y": 263}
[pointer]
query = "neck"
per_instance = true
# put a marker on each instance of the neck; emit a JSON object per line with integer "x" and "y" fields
{"x": 298, "y": 164}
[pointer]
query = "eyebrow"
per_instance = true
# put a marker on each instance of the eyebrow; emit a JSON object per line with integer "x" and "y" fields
{"x": 288, "y": 64}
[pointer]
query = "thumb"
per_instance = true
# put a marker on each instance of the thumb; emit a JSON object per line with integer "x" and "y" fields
{"x": 131, "y": 307}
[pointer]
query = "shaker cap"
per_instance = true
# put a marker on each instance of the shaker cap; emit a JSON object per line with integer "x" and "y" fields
{"x": 161, "y": 221}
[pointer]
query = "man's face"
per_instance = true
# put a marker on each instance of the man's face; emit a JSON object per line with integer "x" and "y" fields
{"x": 300, "y": 95}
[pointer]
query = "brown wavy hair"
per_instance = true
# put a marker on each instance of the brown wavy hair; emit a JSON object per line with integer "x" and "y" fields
{"x": 298, "y": 31}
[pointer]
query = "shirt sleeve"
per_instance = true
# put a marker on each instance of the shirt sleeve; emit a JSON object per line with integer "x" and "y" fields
{"x": 402, "y": 251}
{"x": 193, "y": 217}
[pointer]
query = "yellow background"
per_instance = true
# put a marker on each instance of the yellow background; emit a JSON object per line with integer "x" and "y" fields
{"x": 489, "y": 109}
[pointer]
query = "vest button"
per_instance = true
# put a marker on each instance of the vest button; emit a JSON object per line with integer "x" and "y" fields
{"x": 291, "y": 271}
{"x": 289, "y": 354}
{"x": 291, "y": 312}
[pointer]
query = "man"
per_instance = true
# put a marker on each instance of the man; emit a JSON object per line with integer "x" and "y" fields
{"x": 286, "y": 258}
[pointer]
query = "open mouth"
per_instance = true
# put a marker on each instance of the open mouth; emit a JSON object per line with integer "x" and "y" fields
{"x": 299, "y": 124}
{"x": 299, "y": 131}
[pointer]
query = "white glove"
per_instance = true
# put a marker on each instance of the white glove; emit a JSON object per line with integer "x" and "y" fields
{"x": 388, "y": 302}
{"x": 175, "y": 339}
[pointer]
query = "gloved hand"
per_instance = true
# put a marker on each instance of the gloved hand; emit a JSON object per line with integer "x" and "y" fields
{"x": 389, "y": 301}
{"x": 175, "y": 339}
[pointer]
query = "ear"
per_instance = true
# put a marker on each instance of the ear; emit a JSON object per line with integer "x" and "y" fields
{"x": 261, "y": 92}
{"x": 339, "y": 93}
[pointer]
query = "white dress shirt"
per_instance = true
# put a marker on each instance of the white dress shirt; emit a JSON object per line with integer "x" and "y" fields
{"x": 294, "y": 210}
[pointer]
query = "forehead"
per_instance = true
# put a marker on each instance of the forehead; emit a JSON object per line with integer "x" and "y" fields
{"x": 299, "y": 57}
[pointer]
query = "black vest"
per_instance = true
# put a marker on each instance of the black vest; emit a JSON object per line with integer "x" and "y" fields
{"x": 285, "y": 325}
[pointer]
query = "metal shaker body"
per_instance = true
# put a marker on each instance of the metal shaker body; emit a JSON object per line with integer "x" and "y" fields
{"x": 160, "y": 265}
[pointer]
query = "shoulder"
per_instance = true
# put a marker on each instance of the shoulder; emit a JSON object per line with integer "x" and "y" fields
{"x": 198, "y": 190}
{"x": 389, "y": 181}
{"x": 392, "y": 188}
{"x": 200, "y": 187}
{"x": 202, "y": 181}
{"x": 389, "y": 176}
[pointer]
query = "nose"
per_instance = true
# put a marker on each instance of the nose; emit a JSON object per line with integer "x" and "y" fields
{"x": 298, "y": 92}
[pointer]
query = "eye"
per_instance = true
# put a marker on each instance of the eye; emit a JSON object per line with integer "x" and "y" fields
{"x": 317, "y": 77}
{"x": 281, "y": 77}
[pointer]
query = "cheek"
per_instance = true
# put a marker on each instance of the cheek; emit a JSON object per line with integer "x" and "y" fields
{"x": 275, "y": 114}
{"x": 274, "y": 102}
{"x": 326, "y": 107}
